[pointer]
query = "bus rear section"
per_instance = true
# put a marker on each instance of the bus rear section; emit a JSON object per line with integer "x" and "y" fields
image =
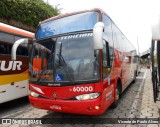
{"x": 13, "y": 74}
{"x": 78, "y": 67}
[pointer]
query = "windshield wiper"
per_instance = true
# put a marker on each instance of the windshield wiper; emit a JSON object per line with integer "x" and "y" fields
{"x": 61, "y": 59}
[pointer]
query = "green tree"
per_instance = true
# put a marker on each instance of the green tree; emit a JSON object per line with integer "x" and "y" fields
{"x": 28, "y": 12}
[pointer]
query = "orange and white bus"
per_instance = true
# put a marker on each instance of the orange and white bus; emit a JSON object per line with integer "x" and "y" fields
{"x": 13, "y": 74}
{"x": 79, "y": 63}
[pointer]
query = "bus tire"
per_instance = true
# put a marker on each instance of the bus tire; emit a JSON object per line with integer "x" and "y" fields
{"x": 118, "y": 93}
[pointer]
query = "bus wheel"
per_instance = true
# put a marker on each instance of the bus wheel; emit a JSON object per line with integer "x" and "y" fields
{"x": 118, "y": 93}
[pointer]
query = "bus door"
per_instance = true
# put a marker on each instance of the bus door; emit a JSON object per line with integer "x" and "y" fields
{"x": 155, "y": 58}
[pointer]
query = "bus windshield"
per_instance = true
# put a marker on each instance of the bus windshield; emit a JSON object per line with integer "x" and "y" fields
{"x": 78, "y": 22}
{"x": 65, "y": 60}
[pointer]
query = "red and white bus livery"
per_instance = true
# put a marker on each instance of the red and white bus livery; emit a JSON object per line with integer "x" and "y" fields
{"x": 80, "y": 63}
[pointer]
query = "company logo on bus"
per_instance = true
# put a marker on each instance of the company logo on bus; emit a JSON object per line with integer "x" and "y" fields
{"x": 54, "y": 95}
{"x": 12, "y": 65}
{"x": 77, "y": 36}
{"x": 7, "y": 66}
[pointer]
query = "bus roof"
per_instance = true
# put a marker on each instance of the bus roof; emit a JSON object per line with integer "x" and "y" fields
{"x": 14, "y": 30}
{"x": 73, "y": 13}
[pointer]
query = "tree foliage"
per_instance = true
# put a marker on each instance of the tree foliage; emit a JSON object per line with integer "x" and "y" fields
{"x": 28, "y": 12}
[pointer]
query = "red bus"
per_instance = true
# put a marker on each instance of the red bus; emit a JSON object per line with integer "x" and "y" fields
{"x": 79, "y": 63}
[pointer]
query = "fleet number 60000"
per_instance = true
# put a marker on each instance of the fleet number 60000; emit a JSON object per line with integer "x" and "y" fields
{"x": 83, "y": 89}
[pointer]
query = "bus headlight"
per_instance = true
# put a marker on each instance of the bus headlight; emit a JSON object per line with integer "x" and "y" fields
{"x": 89, "y": 96}
{"x": 34, "y": 94}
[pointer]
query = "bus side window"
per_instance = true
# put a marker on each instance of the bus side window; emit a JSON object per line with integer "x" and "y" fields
{"x": 108, "y": 29}
{"x": 106, "y": 60}
{"x": 3, "y": 49}
{"x": 6, "y": 40}
{"x": 19, "y": 51}
{"x": 22, "y": 51}
{"x": 25, "y": 51}
{"x": 115, "y": 36}
{"x": 111, "y": 53}
{"x": 6, "y": 37}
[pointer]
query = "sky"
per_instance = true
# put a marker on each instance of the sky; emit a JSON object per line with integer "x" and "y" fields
{"x": 133, "y": 17}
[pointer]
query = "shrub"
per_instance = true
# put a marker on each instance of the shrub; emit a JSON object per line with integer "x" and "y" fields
{"x": 28, "y": 12}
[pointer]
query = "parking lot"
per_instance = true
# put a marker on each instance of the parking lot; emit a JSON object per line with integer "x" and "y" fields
{"x": 136, "y": 102}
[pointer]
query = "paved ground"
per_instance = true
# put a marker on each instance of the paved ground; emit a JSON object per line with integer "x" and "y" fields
{"x": 136, "y": 102}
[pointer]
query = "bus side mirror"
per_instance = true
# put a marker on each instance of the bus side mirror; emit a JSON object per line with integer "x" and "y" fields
{"x": 15, "y": 46}
{"x": 156, "y": 29}
{"x": 98, "y": 35}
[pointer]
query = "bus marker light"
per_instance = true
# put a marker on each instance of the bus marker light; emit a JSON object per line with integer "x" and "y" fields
{"x": 97, "y": 107}
{"x": 33, "y": 94}
{"x": 90, "y": 108}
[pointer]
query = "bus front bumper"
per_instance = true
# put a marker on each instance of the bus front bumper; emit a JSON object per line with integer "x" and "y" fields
{"x": 89, "y": 107}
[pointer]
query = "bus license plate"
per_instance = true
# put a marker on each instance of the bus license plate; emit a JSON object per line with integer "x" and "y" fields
{"x": 56, "y": 107}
